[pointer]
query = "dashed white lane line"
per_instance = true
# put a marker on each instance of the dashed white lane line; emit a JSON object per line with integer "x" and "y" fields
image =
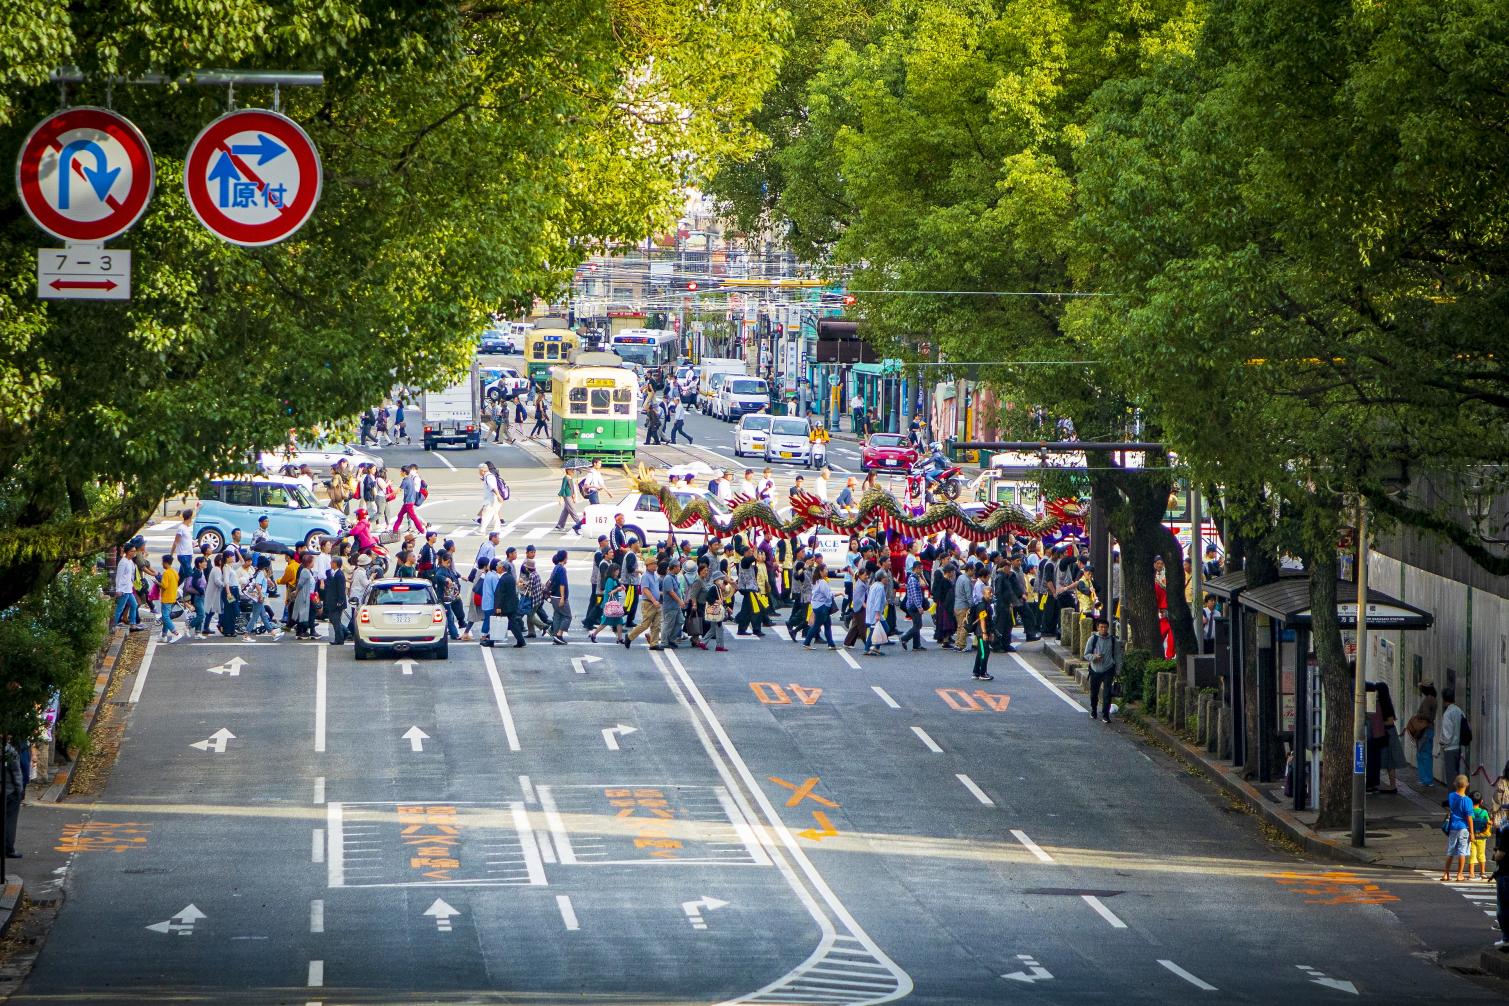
{"x": 932, "y": 746}
{"x": 1048, "y": 684}
{"x": 319, "y": 699}
{"x": 1031, "y": 846}
{"x": 319, "y": 789}
{"x": 538, "y": 532}
{"x": 501, "y": 699}
{"x": 970, "y": 785}
{"x": 568, "y": 914}
{"x": 1203, "y": 986}
{"x": 317, "y": 846}
{"x": 317, "y": 916}
{"x": 1109, "y": 916}
{"x": 141, "y": 674}
{"x": 527, "y": 787}
{"x": 443, "y": 460}
{"x": 885, "y": 696}
{"x": 316, "y": 974}
{"x": 848, "y": 658}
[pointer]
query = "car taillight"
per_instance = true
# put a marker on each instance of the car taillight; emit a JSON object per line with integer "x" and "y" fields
{"x": 364, "y": 616}
{"x": 470, "y": 427}
{"x": 428, "y": 428}
{"x": 439, "y": 616}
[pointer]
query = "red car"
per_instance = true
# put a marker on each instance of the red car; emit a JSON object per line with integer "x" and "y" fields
{"x": 887, "y": 451}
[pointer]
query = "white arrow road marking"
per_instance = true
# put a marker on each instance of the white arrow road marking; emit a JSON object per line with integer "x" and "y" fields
{"x": 693, "y": 909}
{"x": 231, "y": 667}
{"x": 441, "y": 913}
{"x": 182, "y": 923}
{"x": 579, "y": 664}
{"x": 407, "y": 665}
{"x": 1319, "y": 978}
{"x": 611, "y": 735}
{"x": 1035, "y": 972}
{"x": 416, "y": 738}
{"x": 1197, "y": 983}
{"x": 215, "y": 742}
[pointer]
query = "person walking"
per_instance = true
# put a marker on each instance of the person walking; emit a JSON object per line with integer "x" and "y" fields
{"x": 567, "y": 495}
{"x": 410, "y": 491}
{"x": 506, "y": 602}
{"x": 1103, "y": 654}
{"x": 335, "y": 597}
{"x": 183, "y": 544}
{"x": 678, "y": 422}
{"x": 15, "y": 795}
{"x": 875, "y": 605}
{"x": 613, "y": 608}
{"x": 1459, "y": 825}
{"x": 914, "y": 602}
{"x": 672, "y": 605}
{"x": 303, "y": 599}
{"x": 541, "y": 417}
{"x": 748, "y": 583}
{"x": 488, "y": 517}
{"x": 649, "y": 605}
{"x": 532, "y": 596}
{"x": 1422, "y": 730}
{"x": 559, "y": 593}
{"x": 820, "y": 607}
{"x": 979, "y": 616}
{"x": 1452, "y": 744}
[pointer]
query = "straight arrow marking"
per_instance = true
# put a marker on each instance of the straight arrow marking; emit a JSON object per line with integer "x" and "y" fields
{"x": 416, "y": 738}
{"x": 215, "y": 742}
{"x": 231, "y": 667}
{"x": 442, "y": 913}
{"x": 406, "y": 665}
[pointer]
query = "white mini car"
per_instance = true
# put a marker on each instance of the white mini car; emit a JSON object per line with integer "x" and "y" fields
{"x": 509, "y": 382}
{"x": 319, "y": 456}
{"x": 644, "y": 519}
{"x": 787, "y": 441}
{"x": 401, "y": 615}
{"x": 751, "y": 435}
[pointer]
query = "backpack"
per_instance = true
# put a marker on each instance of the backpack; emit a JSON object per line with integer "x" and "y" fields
{"x": 503, "y": 490}
{"x": 451, "y": 590}
{"x": 391, "y": 494}
{"x": 1465, "y": 735}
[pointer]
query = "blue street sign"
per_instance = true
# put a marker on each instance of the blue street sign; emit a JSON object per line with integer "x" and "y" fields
{"x": 1359, "y": 759}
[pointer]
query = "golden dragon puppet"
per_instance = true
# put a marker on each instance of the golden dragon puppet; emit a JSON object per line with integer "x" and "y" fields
{"x": 877, "y": 509}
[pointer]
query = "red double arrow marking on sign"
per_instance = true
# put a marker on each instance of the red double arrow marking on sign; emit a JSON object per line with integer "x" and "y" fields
{"x": 83, "y": 284}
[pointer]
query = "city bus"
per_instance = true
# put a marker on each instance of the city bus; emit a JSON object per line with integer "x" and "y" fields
{"x": 650, "y": 348}
{"x": 594, "y": 408}
{"x": 548, "y": 345}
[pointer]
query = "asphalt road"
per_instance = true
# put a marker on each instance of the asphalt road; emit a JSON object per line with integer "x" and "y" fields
{"x": 770, "y": 825}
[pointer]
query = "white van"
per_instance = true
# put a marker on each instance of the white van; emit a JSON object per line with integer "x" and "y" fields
{"x": 738, "y": 394}
{"x": 787, "y": 440}
{"x": 713, "y": 365}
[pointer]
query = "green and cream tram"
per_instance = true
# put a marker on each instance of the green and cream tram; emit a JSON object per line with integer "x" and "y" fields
{"x": 594, "y": 408}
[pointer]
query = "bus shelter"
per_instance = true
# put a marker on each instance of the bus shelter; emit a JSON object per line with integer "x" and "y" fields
{"x": 1289, "y": 694}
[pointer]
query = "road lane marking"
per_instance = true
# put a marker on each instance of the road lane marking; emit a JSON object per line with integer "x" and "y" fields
{"x": 1031, "y": 846}
{"x": 442, "y": 459}
{"x": 532, "y": 863}
{"x": 316, "y": 974}
{"x": 848, "y": 659}
{"x": 502, "y": 700}
{"x": 979, "y": 793}
{"x": 141, "y": 674}
{"x": 568, "y": 914}
{"x": 932, "y": 745}
{"x": 1048, "y": 684}
{"x": 508, "y": 529}
{"x": 317, "y": 916}
{"x": 1197, "y": 983}
{"x": 557, "y": 826}
{"x": 319, "y": 789}
{"x": 742, "y": 827}
{"x": 885, "y": 696}
{"x": 319, "y": 700}
{"x": 528, "y": 789}
{"x": 782, "y": 631}
{"x": 856, "y": 946}
{"x": 335, "y": 828}
{"x": 804, "y": 791}
{"x": 1108, "y": 915}
{"x": 317, "y": 846}
{"x": 538, "y": 532}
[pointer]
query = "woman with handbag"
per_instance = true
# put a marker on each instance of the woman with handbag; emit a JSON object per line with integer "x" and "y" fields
{"x": 1422, "y": 730}
{"x": 302, "y": 599}
{"x": 613, "y": 605}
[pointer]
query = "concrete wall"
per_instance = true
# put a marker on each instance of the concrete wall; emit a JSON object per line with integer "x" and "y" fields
{"x": 1467, "y": 647}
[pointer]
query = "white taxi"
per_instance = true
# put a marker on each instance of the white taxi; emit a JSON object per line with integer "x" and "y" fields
{"x": 645, "y": 520}
{"x": 400, "y": 615}
{"x": 751, "y": 435}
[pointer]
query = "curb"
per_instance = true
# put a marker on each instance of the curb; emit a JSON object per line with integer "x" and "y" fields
{"x": 1495, "y": 962}
{"x": 1226, "y": 777}
{"x": 10, "y": 900}
{"x": 104, "y": 669}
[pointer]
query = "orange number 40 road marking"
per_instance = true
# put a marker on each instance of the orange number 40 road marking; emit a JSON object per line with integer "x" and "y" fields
{"x": 773, "y": 694}
{"x": 969, "y": 702}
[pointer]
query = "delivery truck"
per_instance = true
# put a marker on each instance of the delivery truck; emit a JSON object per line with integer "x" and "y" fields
{"x": 453, "y": 414}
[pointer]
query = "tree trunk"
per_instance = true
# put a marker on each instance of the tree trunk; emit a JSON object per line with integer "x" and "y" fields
{"x": 1336, "y": 682}
{"x": 1180, "y": 618}
{"x": 1124, "y": 499}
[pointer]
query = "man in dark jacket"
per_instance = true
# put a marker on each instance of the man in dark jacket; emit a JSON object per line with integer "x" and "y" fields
{"x": 943, "y": 603}
{"x": 333, "y": 595}
{"x": 1001, "y": 590}
{"x": 506, "y": 604}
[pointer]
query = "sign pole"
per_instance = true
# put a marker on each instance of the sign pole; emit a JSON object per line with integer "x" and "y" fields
{"x": 1359, "y": 687}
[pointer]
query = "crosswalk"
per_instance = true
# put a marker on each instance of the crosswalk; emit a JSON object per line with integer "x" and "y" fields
{"x": 1479, "y": 894}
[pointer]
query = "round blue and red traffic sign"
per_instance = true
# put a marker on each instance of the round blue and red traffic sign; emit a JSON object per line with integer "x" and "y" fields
{"x": 85, "y": 174}
{"x": 253, "y": 177}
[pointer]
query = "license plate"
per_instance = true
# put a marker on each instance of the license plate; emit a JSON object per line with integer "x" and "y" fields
{"x": 785, "y": 454}
{"x": 890, "y": 461}
{"x": 400, "y": 618}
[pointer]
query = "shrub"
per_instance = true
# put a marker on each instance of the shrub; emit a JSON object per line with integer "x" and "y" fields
{"x": 48, "y": 641}
{"x": 1133, "y": 669}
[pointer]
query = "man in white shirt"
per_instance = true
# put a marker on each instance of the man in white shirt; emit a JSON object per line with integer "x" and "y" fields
{"x": 724, "y": 490}
{"x": 767, "y": 486}
{"x": 183, "y": 543}
{"x": 747, "y": 487}
{"x": 592, "y": 482}
{"x": 492, "y": 501}
{"x": 820, "y": 484}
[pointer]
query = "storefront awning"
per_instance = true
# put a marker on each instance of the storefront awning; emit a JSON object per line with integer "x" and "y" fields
{"x": 872, "y": 369}
{"x": 1288, "y": 601}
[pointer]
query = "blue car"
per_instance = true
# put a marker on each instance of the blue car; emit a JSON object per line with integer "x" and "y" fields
{"x": 294, "y": 516}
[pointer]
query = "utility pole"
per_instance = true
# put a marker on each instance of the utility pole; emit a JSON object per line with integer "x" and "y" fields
{"x": 1359, "y": 687}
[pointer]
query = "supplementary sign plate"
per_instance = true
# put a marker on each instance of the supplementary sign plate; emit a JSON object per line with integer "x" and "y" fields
{"x": 83, "y": 272}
